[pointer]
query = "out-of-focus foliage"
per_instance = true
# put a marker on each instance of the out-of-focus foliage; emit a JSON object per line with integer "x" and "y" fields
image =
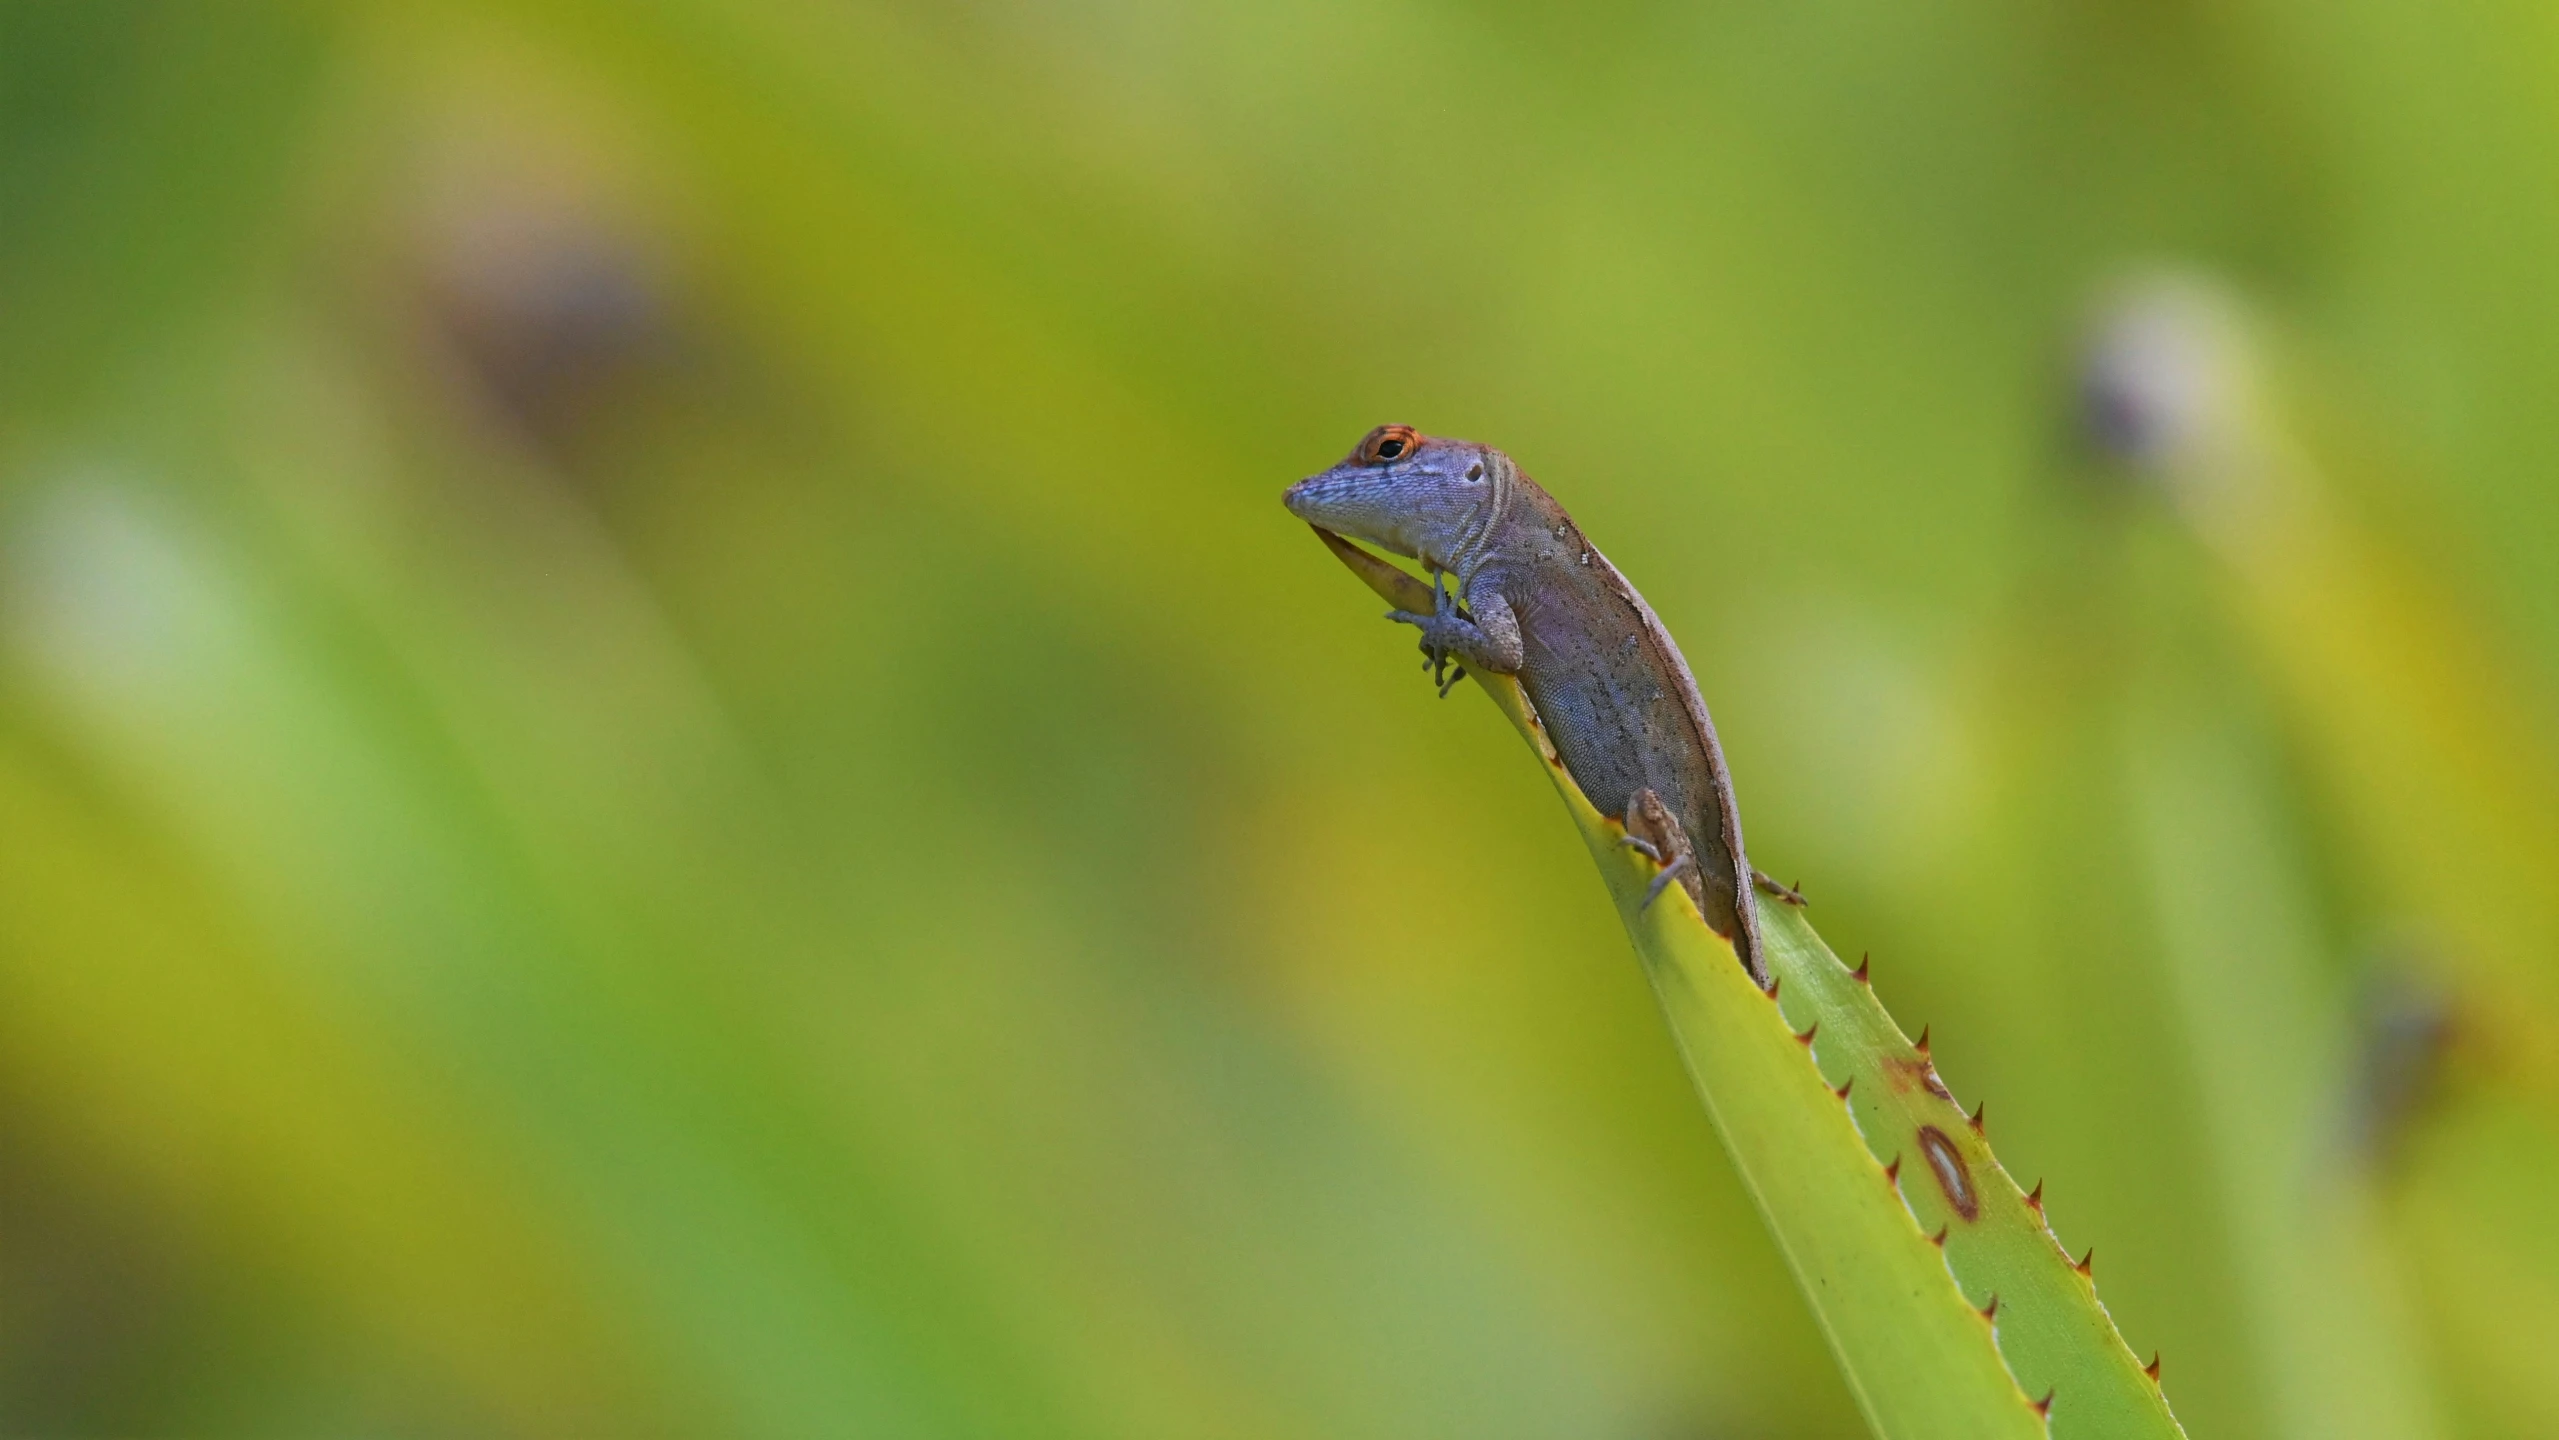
{"x": 665, "y": 766}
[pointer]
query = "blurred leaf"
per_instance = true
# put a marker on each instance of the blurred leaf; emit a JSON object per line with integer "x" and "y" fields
{"x": 2422, "y": 743}
{"x": 2326, "y": 1308}
{"x": 146, "y": 151}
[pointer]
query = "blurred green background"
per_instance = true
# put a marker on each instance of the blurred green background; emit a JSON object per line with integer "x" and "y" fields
{"x": 666, "y": 766}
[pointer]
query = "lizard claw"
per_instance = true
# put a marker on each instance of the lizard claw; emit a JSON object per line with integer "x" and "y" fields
{"x": 1642, "y": 846}
{"x": 1455, "y": 674}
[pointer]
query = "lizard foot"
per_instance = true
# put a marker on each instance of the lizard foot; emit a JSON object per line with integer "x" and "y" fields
{"x": 1447, "y": 667}
{"x": 1449, "y": 634}
{"x": 1662, "y": 881}
{"x": 1435, "y": 654}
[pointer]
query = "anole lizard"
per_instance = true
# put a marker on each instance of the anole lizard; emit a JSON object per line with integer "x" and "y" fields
{"x": 1534, "y": 599}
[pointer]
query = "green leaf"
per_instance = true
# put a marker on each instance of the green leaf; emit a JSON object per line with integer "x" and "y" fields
{"x": 1948, "y": 1302}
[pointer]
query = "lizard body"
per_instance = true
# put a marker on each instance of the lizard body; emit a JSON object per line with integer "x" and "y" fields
{"x": 1537, "y": 600}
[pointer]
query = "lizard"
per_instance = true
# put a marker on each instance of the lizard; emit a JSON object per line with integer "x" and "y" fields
{"x": 1534, "y": 599}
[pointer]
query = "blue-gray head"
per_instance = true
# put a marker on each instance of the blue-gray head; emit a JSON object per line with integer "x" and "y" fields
{"x": 1434, "y": 500}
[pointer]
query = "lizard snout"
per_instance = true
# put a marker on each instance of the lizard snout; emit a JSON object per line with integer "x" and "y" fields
{"x": 1304, "y": 499}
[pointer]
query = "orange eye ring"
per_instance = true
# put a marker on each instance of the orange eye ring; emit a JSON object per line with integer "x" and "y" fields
{"x": 1387, "y": 444}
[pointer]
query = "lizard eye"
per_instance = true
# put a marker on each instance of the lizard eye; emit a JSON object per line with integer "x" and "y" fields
{"x": 1387, "y": 443}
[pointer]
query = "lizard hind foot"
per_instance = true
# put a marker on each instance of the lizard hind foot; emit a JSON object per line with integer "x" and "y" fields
{"x": 1662, "y": 881}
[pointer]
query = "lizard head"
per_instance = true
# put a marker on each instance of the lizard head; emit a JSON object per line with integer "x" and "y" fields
{"x": 1407, "y": 492}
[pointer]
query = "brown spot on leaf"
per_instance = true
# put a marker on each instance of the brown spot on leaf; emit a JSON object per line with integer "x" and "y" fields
{"x": 1953, "y": 1176}
{"x": 1909, "y": 1072}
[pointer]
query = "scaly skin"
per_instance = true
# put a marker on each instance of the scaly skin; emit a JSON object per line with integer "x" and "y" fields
{"x": 1540, "y": 602}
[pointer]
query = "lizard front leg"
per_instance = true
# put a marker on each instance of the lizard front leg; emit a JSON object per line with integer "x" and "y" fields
{"x": 1484, "y": 635}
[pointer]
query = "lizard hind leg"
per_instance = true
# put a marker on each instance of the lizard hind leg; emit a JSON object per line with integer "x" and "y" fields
{"x": 1652, "y": 829}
